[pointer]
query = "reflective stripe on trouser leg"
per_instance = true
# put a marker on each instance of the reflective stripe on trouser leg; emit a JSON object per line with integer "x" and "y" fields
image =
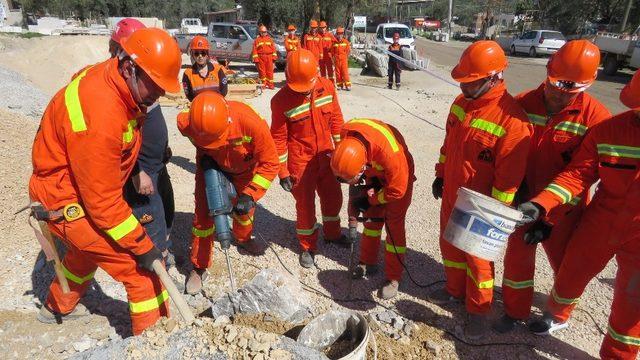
{"x": 261, "y": 70}
{"x": 243, "y": 225}
{"x": 479, "y": 291}
{"x": 455, "y": 268}
{"x": 370, "y": 243}
{"x": 267, "y": 63}
{"x": 396, "y": 241}
{"x": 202, "y": 245}
{"x": 304, "y": 193}
{"x": 330, "y": 195}
{"x": 519, "y": 269}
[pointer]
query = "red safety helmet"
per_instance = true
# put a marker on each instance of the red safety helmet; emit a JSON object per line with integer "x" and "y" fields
{"x": 199, "y": 42}
{"x": 301, "y": 70}
{"x": 209, "y": 120}
{"x": 630, "y": 94}
{"x": 124, "y": 28}
{"x": 574, "y": 67}
{"x": 349, "y": 158}
{"x": 480, "y": 60}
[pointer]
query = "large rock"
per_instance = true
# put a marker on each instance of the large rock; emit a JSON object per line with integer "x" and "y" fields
{"x": 377, "y": 62}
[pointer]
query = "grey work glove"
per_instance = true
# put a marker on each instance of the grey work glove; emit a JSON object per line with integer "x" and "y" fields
{"x": 530, "y": 212}
{"x": 146, "y": 260}
{"x": 286, "y": 183}
{"x": 437, "y": 187}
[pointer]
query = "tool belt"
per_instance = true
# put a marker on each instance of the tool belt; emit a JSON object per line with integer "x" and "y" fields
{"x": 71, "y": 212}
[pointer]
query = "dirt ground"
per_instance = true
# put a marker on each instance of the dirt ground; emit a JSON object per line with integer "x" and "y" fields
{"x": 418, "y": 110}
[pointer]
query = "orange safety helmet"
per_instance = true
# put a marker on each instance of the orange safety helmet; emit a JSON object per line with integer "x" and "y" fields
{"x": 291, "y": 28}
{"x": 262, "y": 28}
{"x": 209, "y": 120}
{"x": 158, "y": 54}
{"x": 575, "y": 66}
{"x": 340, "y": 30}
{"x": 630, "y": 94}
{"x": 323, "y": 24}
{"x": 199, "y": 42}
{"x": 301, "y": 70}
{"x": 480, "y": 60}
{"x": 313, "y": 24}
{"x": 124, "y": 28}
{"x": 348, "y": 159}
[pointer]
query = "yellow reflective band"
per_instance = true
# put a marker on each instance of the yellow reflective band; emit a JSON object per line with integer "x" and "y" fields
{"x": 148, "y": 305}
{"x": 455, "y": 264}
{"x": 505, "y": 197}
{"x": 487, "y": 284}
{"x": 127, "y": 137}
{"x": 488, "y": 126}
{"x": 254, "y": 56}
{"x": 244, "y": 139}
{"x": 336, "y": 137}
{"x": 203, "y": 232}
{"x": 559, "y": 191}
{"x": 575, "y": 200}
{"x": 247, "y": 222}
{"x": 377, "y": 166}
{"x": 330, "y": 218}
{"x": 75, "y": 278}
{"x": 371, "y": 232}
{"x": 381, "y": 199}
{"x": 458, "y": 112}
{"x": 284, "y": 158}
{"x": 442, "y": 159}
{"x": 261, "y": 181}
{"x": 561, "y": 300}
{"x": 324, "y": 100}
{"x": 517, "y": 284}
{"x": 536, "y": 119}
{"x": 572, "y": 127}
{"x": 121, "y": 230}
{"x": 387, "y": 134}
{"x": 306, "y": 231}
{"x": 625, "y": 339}
{"x": 619, "y": 151}
{"x": 395, "y": 249}
{"x": 72, "y": 102}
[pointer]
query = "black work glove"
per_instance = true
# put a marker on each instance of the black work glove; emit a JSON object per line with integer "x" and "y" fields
{"x": 167, "y": 155}
{"x": 286, "y": 183}
{"x": 244, "y": 205}
{"x": 353, "y": 234}
{"x": 539, "y": 232}
{"x": 530, "y": 212}
{"x": 361, "y": 203}
{"x": 145, "y": 260}
{"x": 437, "y": 187}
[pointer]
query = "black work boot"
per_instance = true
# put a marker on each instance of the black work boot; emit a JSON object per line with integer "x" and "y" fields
{"x": 505, "y": 324}
{"x": 307, "y": 259}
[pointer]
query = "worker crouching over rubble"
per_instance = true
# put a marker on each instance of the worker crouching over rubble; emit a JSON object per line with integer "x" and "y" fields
{"x": 374, "y": 160}
{"x": 83, "y": 153}
{"x": 235, "y": 139}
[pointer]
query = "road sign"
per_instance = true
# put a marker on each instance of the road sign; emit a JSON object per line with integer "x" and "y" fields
{"x": 359, "y": 21}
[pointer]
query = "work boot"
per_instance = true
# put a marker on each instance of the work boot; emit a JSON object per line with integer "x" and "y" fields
{"x": 505, "y": 324}
{"x": 342, "y": 241}
{"x": 348, "y": 88}
{"x": 252, "y": 246}
{"x": 47, "y": 316}
{"x": 390, "y": 86}
{"x": 195, "y": 280}
{"x": 476, "y": 327}
{"x": 307, "y": 259}
{"x": 363, "y": 269}
{"x": 546, "y": 325}
{"x": 389, "y": 290}
{"x": 441, "y": 297}
{"x": 397, "y": 87}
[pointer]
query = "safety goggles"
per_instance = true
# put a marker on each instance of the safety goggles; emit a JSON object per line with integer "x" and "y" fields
{"x": 569, "y": 86}
{"x": 200, "y": 53}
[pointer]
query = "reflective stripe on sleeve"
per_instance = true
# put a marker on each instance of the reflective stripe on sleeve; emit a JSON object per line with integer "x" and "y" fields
{"x": 121, "y": 230}
{"x": 261, "y": 181}
{"x": 458, "y": 112}
{"x": 284, "y": 157}
{"x": 381, "y": 199}
{"x": 572, "y": 127}
{"x": 385, "y": 132}
{"x": 148, "y": 305}
{"x": 203, "y": 232}
{"x": 619, "y": 151}
{"x": 442, "y": 159}
{"x": 536, "y": 119}
{"x": 72, "y": 102}
{"x": 127, "y": 136}
{"x": 336, "y": 137}
{"x": 559, "y": 191}
{"x": 502, "y": 196}
{"x": 488, "y": 126}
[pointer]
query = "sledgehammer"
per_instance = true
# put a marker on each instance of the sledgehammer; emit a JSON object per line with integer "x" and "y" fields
{"x": 175, "y": 295}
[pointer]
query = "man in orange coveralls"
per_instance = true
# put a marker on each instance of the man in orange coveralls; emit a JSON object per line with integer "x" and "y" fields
{"x": 373, "y": 158}
{"x": 561, "y": 112}
{"x": 326, "y": 62}
{"x": 341, "y": 49}
{"x": 485, "y": 150}
{"x": 203, "y": 74}
{"x": 306, "y": 122}
{"x": 609, "y": 227}
{"x": 264, "y": 54}
{"x": 291, "y": 41}
{"x": 83, "y": 153}
{"x": 313, "y": 41}
{"x": 237, "y": 139}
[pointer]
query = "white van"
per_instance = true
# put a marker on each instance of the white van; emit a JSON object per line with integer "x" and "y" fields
{"x": 384, "y": 35}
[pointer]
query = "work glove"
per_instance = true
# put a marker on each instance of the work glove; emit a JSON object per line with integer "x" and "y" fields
{"x": 145, "y": 260}
{"x": 437, "y": 187}
{"x": 244, "y": 205}
{"x": 286, "y": 183}
{"x": 530, "y": 212}
{"x": 362, "y": 203}
{"x": 539, "y": 232}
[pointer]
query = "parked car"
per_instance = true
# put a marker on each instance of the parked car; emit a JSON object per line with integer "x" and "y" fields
{"x": 537, "y": 42}
{"x": 192, "y": 26}
{"x": 384, "y": 34}
{"x": 233, "y": 42}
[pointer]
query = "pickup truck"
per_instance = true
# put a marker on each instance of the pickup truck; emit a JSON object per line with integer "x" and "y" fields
{"x": 619, "y": 50}
{"x": 233, "y": 42}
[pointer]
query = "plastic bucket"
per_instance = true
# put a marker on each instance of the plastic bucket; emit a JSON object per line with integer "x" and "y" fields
{"x": 328, "y": 328}
{"x": 480, "y": 225}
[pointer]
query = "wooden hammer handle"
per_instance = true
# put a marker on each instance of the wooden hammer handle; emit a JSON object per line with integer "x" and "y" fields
{"x": 173, "y": 291}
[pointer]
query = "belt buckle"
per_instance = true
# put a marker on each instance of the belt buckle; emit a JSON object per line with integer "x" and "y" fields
{"x": 72, "y": 212}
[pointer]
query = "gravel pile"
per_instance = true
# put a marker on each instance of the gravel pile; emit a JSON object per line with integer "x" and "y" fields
{"x": 19, "y": 95}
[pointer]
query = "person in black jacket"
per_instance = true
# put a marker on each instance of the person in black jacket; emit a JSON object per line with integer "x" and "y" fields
{"x": 394, "y": 64}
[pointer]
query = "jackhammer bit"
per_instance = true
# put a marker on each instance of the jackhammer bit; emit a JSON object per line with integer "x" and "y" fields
{"x": 352, "y": 236}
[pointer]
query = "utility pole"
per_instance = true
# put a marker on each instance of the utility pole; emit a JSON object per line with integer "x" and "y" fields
{"x": 626, "y": 15}
{"x": 449, "y": 18}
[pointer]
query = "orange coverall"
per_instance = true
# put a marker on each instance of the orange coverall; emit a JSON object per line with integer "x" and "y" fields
{"x": 609, "y": 227}
{"x": 485, "y": 150}
{"x": 388, "y": 161}
{"x": 340, "y": 51}
{"x": 326, "y": 62}
{"x": 291, "y": 43}
{"x": 314, "y": 44}
{"x": 84, "y": 151}
{"x": 555, "y": 140}
{"x": 250, "y": 162}
{"x": 264, "y": 54}
{"x": 303, "y": 127}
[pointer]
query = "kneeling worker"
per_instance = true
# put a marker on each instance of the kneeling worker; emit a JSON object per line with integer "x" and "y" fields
{"x": 375, "y": 154}
{"x": 233, "y": 136}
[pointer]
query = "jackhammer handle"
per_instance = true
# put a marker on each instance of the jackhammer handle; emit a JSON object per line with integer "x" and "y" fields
{"x": 173, "y": 291}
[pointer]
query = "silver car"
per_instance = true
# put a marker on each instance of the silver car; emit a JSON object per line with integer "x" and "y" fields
{"x": 538, "y": 42}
